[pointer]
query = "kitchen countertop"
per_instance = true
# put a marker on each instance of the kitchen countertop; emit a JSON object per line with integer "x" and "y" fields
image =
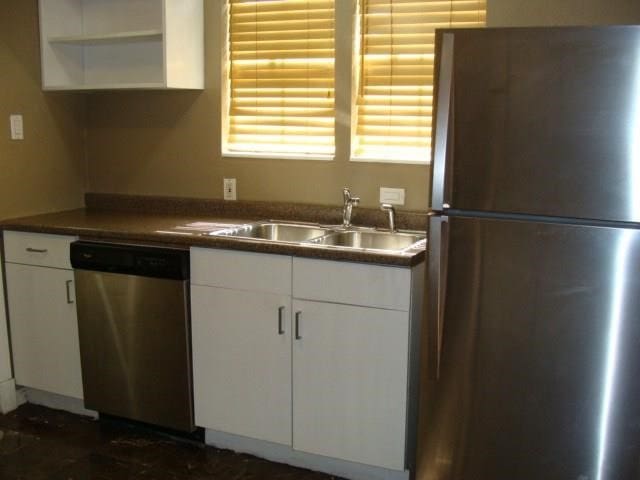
{"x": 124, "y": 218}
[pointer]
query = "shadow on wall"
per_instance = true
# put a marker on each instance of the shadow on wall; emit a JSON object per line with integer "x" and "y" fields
{"x": 144, "y": 109}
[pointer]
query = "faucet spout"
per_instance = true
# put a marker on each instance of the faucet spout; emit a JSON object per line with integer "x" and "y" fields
{"x": 347, "y": 206}
{"x": 387, "y": 207}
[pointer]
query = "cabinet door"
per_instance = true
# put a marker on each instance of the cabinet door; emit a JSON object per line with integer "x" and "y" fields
{"x": 242, "y": 362}
{"x": 350, "y": 382}
{"x": 44, "y": 329}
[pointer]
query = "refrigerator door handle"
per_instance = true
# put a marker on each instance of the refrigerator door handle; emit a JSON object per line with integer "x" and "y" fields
{"x": 441, "y": 142}
{"x": 437, "y": 284}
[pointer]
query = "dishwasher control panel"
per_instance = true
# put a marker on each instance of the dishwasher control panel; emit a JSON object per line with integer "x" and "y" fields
{"x": 130, "y": 259}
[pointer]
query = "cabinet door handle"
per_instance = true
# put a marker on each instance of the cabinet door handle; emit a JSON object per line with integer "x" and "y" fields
{"x": 280, "y": 320}
{"x": 298, "y": 336}
{"x": 68, "y": 285}
{"x": 36, "y": 250}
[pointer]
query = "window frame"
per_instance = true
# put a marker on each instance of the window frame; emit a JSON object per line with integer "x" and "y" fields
{"x": 226, "y": 102}
{"x": 359, "y": 65}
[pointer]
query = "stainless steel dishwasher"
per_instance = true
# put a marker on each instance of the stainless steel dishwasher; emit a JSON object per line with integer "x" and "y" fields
{"x": 134, "y": 327}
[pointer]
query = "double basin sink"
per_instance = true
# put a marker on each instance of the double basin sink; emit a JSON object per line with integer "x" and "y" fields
{"x": 357, "y": 238}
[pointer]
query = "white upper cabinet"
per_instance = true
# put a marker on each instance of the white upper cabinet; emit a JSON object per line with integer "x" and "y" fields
{"x": 122, "y": 44}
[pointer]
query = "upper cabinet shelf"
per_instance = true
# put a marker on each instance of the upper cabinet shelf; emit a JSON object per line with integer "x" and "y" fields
{"x": 122, "y": 44}
{"x": 96, "y": 39}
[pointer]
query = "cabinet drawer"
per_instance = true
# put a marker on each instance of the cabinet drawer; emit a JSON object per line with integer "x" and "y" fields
{"x": 352, "y": 283}
{"x": 241, "y": 270}
{"x": 37, "y": 249}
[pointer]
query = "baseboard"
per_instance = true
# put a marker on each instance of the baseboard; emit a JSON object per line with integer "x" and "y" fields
{"x": 285, "y": 454}
{"x": 8, "y": 400}
{"x": 58, "y": 402}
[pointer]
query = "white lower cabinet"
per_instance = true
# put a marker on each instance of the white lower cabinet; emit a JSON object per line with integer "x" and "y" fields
{"x": 312, "y": 354}
{"x": 44, "y": 329}
{"x": 242, "y": 362}
{"x": 241, "y": 339}
{"x": 350, "y": 382}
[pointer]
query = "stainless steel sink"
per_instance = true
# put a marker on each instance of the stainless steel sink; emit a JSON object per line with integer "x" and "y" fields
{"x": 372, "y": 240}
{"x": 276, "y": 232}
{"x": 358, "y": 238}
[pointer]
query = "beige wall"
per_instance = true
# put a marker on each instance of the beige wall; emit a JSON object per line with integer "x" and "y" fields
{"x": 520, "y": 13}
{"x": 168, "y": 143}
{"x": 46, "y": 171}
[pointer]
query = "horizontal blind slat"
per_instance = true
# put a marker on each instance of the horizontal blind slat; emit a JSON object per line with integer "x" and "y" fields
{"x": 419, "y": 7}
{"x": 283, "y": 111}
{"x": 281, "y": 102}
{"x": 394, "y": 91}
{"x": 244, "y": 6}
{"x": 282, "y": 129}
{"x": 399, "y": 80}
{"x": 264, "y": 36}
{"x": 404, "y": 100}
{"x": 283, "y": 26}
{"x": 276, "y": 120}
{"x": 283, "y": 92}
{"x": 290, "y": 15}
{"x": 400, "y": 60}
{"x": 326, "y": 53}
{"x": 295, "y": 72}
{"x": 286, "y": 83}
{"x": 284, "y": 44}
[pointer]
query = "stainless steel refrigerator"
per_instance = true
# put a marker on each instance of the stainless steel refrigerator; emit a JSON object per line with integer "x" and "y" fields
{"x": 531, "y": 352}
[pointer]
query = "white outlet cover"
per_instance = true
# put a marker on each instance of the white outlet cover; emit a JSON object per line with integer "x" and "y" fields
{"x": 229, "y": 189}
{"x": 394, "y": 196}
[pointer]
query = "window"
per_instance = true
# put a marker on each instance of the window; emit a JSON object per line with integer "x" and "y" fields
{"x": 280, "y": 70}
{"x": 281, "y": 78}
{"x": 396, "y": 74}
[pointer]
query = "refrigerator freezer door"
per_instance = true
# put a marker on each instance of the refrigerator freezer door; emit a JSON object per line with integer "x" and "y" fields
{"x": 540, "y": 354}
{"x": 543, "y": 121}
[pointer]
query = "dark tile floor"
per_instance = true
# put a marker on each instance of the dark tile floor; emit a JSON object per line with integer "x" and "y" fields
{"x": 40, "y": 443}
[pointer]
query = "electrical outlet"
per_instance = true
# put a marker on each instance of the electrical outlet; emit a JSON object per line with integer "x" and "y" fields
{"x": 394, "y": 196}
{"x": 230, "y": 189}
{"x": 17, "y": 128}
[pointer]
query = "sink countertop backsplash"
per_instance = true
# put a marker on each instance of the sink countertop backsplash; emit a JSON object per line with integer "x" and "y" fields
{"x": 326, "y": 215}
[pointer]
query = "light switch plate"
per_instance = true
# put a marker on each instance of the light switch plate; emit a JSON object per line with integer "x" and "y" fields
{"x": 17, "y": 128}
{"x": 394, "y": 196}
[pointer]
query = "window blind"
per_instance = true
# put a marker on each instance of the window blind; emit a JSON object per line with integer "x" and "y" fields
{"x": 394, "y": 101}
{"x": 281, "y": 78}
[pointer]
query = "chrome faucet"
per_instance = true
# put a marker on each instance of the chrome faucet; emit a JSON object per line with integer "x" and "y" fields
{"x": 387, "y": 207}
{"x": 348, "y": 203}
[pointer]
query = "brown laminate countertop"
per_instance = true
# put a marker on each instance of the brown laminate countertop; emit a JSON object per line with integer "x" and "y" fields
{"x": 125, "y": 219}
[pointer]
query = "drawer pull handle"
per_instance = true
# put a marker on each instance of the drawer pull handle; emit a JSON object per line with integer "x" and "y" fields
{"x": 280, "y": 321}
{"x": 298, "y": 336}
{"x": 36, "y": 250}
{"x": 68, "y": 285}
